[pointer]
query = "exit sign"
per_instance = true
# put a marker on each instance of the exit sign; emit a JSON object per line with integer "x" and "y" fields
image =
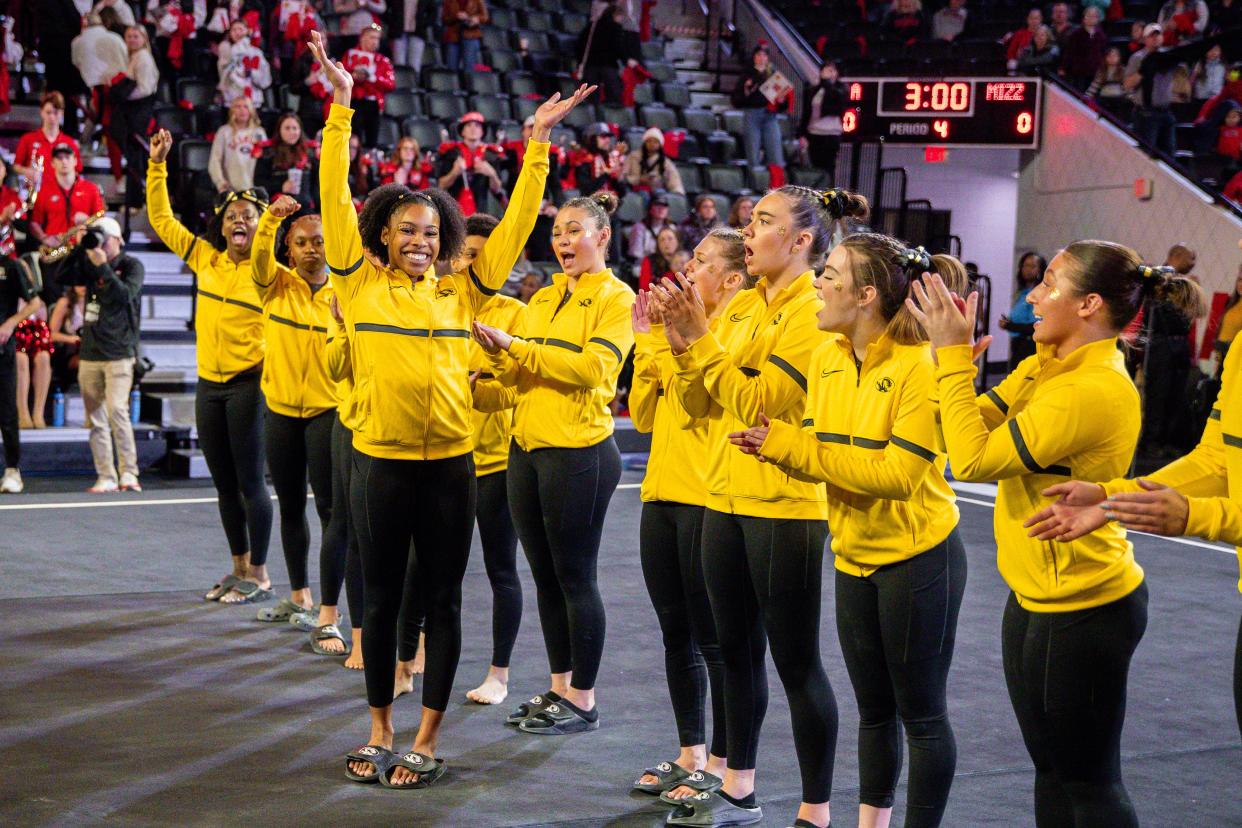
{"x": 935, "y": 155}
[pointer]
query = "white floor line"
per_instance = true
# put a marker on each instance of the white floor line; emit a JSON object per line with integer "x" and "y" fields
{"x": 185, "y": 501}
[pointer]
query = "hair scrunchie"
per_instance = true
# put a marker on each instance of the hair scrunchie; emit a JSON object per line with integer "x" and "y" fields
{"x": 1160, "y": 273}
{"x": 834, "y": 201}
{"x": 915, "y": 260}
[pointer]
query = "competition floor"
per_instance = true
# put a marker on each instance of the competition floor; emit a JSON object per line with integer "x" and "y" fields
{"x": 126, "y": 699}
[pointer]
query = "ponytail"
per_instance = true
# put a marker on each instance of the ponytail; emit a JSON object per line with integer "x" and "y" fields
{"x": 1121, "y": 279}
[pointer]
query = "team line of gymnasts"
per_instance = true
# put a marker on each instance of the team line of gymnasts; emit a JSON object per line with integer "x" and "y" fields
{"x": 796, "y": 384}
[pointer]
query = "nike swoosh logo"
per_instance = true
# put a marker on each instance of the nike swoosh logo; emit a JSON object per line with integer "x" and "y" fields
{"x": 736, "y": 318}
{"x": 830, "y": 373}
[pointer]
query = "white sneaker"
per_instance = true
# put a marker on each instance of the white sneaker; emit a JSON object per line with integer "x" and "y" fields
{"x": 129, "y": 482}
{"x": 102, "y": 486}
{"x": 11, "y": 482}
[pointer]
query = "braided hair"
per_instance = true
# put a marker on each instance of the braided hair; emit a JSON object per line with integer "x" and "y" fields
{"x": 889, "y": 266}
{"x": 817, "y": 211}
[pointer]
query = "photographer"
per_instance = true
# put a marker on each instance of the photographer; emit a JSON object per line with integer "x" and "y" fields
{"x": 112, "y": 282}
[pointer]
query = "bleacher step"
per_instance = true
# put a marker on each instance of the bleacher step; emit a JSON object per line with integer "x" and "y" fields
{"x": 170, "y": 409}
{"x": 188, "y": 463}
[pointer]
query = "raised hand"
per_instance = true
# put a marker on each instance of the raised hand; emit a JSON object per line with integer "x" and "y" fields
{"x": 682, "y": 309}
{"x": 161, "y": 143}
{"x": 339, "y": 78}
{"x": 946, "y": 321}
{"x": 552, "y": 111}
{"x": 283, "y": 207}
{"x": 638, "y": 314}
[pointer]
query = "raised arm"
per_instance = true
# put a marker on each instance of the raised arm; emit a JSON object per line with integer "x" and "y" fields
{"x": 159, "y": 209}
{"x": 342, "y": 243}
{"x": 265, "y": 270}
{"x": 495, "y": 261}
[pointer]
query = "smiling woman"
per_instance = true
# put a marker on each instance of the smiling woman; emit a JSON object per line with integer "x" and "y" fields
{"x": 228, "y": 407}
{"x": 412, "y": 480}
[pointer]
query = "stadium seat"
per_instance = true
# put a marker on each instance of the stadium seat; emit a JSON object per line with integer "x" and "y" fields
{"x": 723, "y": 203}
{"x": 657, "y": 116}
{"x": 573, "y": 23}
{"x": 760, "y": 179}
{"x": 536, "y": 41}
{"x": 503, "y": 60}
{"x": 501, "y": 17}
{"x": 727, "y": 178}
{"x": 691, "y": 176}
{"x": 520, "y": 84}
{"x": 406, "y": 77}
{"x": 523, "y": 108}
{"x": 426, "y": 132}
{"x": 721, "y": 147}
{"x": 733, "y": 121}
{"x": 197, "y": 92}
{"x": 389, "y": 132}
{"x": 676, "y": 95}
{"x": 494, "y": 38}
{"x": 483, "y": 83}
{"x": 401, "y": 103}
{"x": 702, "y": 121}
{"x": 441, "y": 79}
{"x": 622, "y": 116}
{"x": 644, "y": 94}
{"x": 809, "y": 176}
{"x": 537, "y": 19}
{"x": 564, "y": 135}
{"x": 662, "y": 71}
{"x": 446, "y": 106}
{"x": 178, "y": 121}
{"x": 493, "y": 107}
{"x": 678, "y": 206}
{"x": 583, "y": 114}
{"x": 653, "y": 49}
{"x": 632, "y": 208}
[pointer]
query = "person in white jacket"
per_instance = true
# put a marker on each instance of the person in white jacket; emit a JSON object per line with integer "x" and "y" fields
{"x": 244, "y": 70}
{"x": 99, "y": 55}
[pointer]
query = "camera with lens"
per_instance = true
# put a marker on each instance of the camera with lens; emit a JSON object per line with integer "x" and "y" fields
{"x": 78, "y": 269}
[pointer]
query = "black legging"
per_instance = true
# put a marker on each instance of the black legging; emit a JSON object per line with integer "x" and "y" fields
{"x": 763, "y": 578}
{"x": 558, "y": 498}
{"x": 1066, "y": 673}
{"x": 338, "y": 557}
{"x": 229, "y": 416}
{"x": 130, "y": 119}
{"x": 897, "y": 628}
{"x": 366, "y": 121}
{"x": 298, "y": 448}
{"x": 670, "y": 548}
{"x": 9, "y": 430}
{"x": 499, "y": 540}
{"x": 431, "y": 504}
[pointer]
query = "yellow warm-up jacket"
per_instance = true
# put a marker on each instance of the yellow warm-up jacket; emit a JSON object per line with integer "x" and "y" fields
{"x": 295, "y": 374}
{"x": 228, "y": 318}
{"x": 491, "y": 428}
{"x": 1049, "y": 421}
{"x": 870, "y": 433}
{"x": 563, "y": 364}
{"x": 754, "y": 362}
{"x": 678, "y": 441}
{"x": 410, "y": 340}
{"x": 1210, "y": 476}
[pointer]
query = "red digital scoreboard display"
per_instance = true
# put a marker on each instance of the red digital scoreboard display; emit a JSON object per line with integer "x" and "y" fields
{"x": 951, "y": 112}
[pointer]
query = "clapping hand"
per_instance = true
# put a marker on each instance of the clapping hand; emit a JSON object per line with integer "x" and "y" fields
{"x": 752, "y": 439}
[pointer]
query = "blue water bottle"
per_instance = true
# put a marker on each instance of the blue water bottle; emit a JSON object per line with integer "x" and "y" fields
{"x": 58, "y": 409}
{"x": 135, "y": 405}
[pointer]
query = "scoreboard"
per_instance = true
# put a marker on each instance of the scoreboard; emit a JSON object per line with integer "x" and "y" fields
{"x": 951, "y": 112}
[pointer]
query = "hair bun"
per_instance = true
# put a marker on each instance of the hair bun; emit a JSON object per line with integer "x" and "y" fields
{"x": 915, "y": 260}
{"x": 606, "y": 199}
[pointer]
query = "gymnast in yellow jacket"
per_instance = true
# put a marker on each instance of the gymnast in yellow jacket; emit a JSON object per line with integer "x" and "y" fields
{"x": 1199, "y": 494}
{"x": 1077, "y": 610}
{"x": 412, "y": 479}
{"x": 561, "y": 364}
{"x": 302, "y": 408}
{"x": 228, "y": 402}
{"x": 870, "y": 434}
{"x": 763, "y": 531}
{"x": 670, "y": 532}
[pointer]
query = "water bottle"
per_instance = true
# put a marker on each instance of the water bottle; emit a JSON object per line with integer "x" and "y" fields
{"x": 58, "y": 409}
{"x": 135, "y": 405}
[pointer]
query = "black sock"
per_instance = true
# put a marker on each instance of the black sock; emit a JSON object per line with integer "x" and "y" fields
{"x": 747, "y": 801}
{"x": 806, "y": 823}
{"x": 590, "y": 715}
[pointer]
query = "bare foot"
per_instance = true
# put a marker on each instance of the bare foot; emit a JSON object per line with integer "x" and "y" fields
{"x": 39, "y": 423}
{"x": 379, "y": 739}
{"x": 405, "y": 776}
{"x": 405, "y": 679}
{"x": 354, "y": 662}
{"x": 24, "y": 421}
{"x": 329, "y": 615}
{"x": 493, "y": 690}
{"x": 235, "y": 597}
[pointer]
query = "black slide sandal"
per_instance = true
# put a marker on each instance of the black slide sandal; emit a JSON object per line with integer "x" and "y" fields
{"x": 427, "y": 768}
{"x": 668, "y": 776}
{"x": 380, "y": 757}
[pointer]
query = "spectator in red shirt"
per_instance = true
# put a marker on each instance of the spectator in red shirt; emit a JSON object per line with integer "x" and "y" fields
{"x": 64, "y": 200}
{"x": 407, "y": 166}
{"x": 1229, "y": 142}
{"x": 373, "y": 76}
{"x": 39, "y": 143}
{"x": 659, "y": 264}
{"x": 1233, "y": 190}
{"x": 1019, "y": 40}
